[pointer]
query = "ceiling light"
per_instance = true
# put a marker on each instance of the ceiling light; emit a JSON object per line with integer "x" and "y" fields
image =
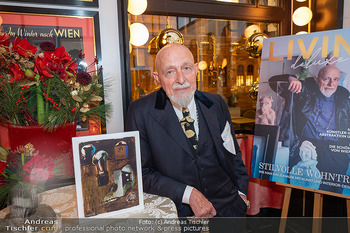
{"x": 137, "y": 7}
{"x": 138, "y": 34}
{"x": 302, "y": 16}
{"x": 301, "y": 32}
{"x": 202, "y": 65}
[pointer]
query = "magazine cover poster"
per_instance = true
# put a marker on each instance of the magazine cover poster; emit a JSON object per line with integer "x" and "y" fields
{"x": 302, "y": 132}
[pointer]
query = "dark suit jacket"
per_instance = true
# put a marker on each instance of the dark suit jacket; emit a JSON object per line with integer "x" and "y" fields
{"x": 165, "y": 150}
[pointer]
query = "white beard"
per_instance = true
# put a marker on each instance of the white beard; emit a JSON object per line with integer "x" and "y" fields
{"x": 327, "y": 93}
{"x": 183, "y": 99}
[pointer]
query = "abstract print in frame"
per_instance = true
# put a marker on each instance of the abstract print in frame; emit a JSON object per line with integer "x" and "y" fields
{"x": 108, "y": 174}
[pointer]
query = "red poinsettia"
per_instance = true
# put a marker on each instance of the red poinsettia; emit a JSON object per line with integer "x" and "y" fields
{"x": 42, "y": 66}
{"x": 5, "y": 40}
{"x": 38, "y": 169}
{"x": 60, "y": 55}
{"x": 17, "y": 73}
{"x": 57, "y": 62}
{"x": 43, "y": 87}
{"x": 23, "y": 48}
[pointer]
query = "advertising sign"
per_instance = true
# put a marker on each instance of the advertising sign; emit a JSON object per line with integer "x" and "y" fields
{"x": 302, "y": 132}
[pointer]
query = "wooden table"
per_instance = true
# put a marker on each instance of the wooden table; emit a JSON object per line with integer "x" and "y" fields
{"x": 240, "y": 123}
{"x": 242, "y": 120}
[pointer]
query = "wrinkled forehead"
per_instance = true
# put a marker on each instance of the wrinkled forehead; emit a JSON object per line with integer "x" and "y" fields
{"x": 173, "y": 53}
{"x": 332, "y": 72}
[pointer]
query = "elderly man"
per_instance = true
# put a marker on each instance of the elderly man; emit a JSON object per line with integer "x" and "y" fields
{"x": 188, "y": 146}
{"x": 319, "y": 108}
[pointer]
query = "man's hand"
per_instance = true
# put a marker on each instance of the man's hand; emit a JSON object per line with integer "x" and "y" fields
{"x": 244, "y": 197}
{"x": 200, "y": 205}
{"x": 294, "y": 85}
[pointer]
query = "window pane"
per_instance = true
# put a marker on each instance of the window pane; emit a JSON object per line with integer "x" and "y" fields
{"x": 219, "y": 46}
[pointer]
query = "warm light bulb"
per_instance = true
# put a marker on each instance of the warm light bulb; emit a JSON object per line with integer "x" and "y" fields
{"x": 301, "y": 32}
{"x": 202, "y": 65}
{"x": 137, "y": 7}
{"x": 302, "y": 16}
{"x": 138, "y": 34}
{"x": 224, "y": 63}
{"x": 301, "y": 0}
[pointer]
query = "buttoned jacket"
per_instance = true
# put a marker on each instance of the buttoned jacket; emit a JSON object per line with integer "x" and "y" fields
{"x": 166, "y": 152}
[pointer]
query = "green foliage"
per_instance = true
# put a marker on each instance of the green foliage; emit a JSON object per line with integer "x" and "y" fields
{"x": 71, "y": 101}
{"x": 76, "y": 102}
{"x": 10, "y": 106}
{"x": 46, "y": 88}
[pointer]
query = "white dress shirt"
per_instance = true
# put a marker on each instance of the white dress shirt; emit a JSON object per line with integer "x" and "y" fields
{"x": 192, "y": 108}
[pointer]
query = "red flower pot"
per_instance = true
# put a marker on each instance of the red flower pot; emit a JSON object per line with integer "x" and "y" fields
{"x": 4, "y": 136}
{"x": 56, "y": 144}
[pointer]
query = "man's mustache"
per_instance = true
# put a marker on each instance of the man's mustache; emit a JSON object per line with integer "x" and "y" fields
{"x": 179, "y": 86}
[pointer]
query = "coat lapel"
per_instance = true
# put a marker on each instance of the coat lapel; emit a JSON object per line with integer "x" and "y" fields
{"x": 165, "y": 115}
{"x": 215, "y": 125}
{"x": 209, "y": 111}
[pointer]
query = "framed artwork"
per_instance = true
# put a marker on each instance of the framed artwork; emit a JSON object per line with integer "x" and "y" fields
{"x": 87, "y": 3}
{"x": 108, "y": 174}
{"x": 61, "y": 27}
{"x": 76, "y": 31}
{"x": 83, "y": 124}
{"x": 264, "y": 147}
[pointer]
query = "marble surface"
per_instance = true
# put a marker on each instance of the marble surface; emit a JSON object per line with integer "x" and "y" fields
{"x": 63, "y": 200}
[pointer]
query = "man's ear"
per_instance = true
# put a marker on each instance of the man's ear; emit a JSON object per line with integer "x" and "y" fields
{"x": 155, "y": 76}
{"x": 196, "y": 68}
{"x": 316, "y": 78}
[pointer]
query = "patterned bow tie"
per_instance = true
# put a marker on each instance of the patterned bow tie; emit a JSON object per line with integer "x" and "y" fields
{"x": 187, "y": 124}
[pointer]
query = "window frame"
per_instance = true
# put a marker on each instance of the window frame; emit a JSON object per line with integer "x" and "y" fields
{"x": 197, "y": 9}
